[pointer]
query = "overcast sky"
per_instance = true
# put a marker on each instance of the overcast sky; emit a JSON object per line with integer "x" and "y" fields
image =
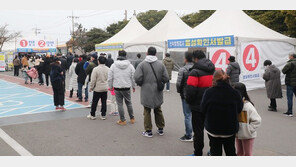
{"x": 54, "y": 24}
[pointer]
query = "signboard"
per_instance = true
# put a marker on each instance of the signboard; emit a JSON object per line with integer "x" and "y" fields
{"x": 37, "y": 46}
{"x": 10, "y": 57}
{"x": 2, "y": 61}
{"x": 219, "y": 41}
{"x": 109, "y": 47}
{"x": 219, "y": 56}
{"x": 250, "y": 61}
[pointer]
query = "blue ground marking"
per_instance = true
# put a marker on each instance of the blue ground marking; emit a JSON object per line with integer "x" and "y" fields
{"x": 18, "y": 100}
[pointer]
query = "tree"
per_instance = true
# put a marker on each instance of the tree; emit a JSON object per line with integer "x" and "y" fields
{"x": 195, "y": 19}
{"x": 290, "y": 21}
{"x": 116, "y": 27}
{"x": 78, "y": 40}
{"x": 6, "y": 36}
{"x": 95, "y": 36}
{"x": 150, "y": 18}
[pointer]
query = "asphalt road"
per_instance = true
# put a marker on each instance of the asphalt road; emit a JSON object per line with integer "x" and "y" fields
{"x": 70, "y": 133}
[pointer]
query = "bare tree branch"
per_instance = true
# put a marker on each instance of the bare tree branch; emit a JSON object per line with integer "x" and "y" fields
{"x": 7, "y": 36}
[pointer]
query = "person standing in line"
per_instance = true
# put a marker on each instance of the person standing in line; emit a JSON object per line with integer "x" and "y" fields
{"x": 151, "y": 75}
{"x": 57, "y": 82}
{"x": 138, "y": 61}
{"x": 200, "y": 79}
{"x": 272, "y": 77}
{"x": 16, "y": 64}
{"x": 81, "y": 79}
{"x": 233, "y": 70}
{"x": 180, "y": 85}
{"x": 25, "y": 75}
{"x": 25, "y": 61}
{"x": 46, "y": 68}
{"x": 290, "y": 71}
{"x": 92, "y": 64}
{"x": 31, "y": 62}
{"x": 99, "y": 86}
{"x": 39, "y": 67}
{"x": 73, "y": 85}
{"x": 109, "y": 61}
{"x": 169, "y": 65}
{"x": 221, "y": 106}
{"x": 249, "y": 121}
{"x": 121, "y": 78}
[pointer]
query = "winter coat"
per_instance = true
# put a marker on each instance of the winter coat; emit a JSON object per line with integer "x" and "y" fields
{"x": 249, "y": 121}
{"x": 64, "y": 64}
{"x": 272, "y": 77}
{"x": 200, "y": 79}
{"x": 233, "y": 70}
{"x": 109, "y": 62}
{"x": 25, "y": 61}
{"x": 169, "y": 65}
{"x": 73, "y": 77}
{"x": 99, "y": 79}
{"x": 80, "y": 72}
{"x": 182, "y": 79}
{"x": 16, "y": 62}
{"x": 137, "y": 62}
{"x": 290, "y": 71}
{"x": 151, "y": 97}
{"x": 221, "y": 105}
{"x": 46, "y": 66}
{"x": 55, "y": 73}
{"x": 121, "y": 75}
{"x": 31, "y": 63}
{"x": 90, "y": 68}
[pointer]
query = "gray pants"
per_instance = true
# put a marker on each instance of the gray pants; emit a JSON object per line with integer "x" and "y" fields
{"x": 126, "y": 95}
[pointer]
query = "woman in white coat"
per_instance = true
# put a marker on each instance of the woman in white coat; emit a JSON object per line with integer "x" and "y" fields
{"x": 73, "y": 84}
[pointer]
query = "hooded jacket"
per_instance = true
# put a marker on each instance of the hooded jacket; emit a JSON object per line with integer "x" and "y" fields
{"x": 182, "y": 78}
{"x": 151, "y": 97}
{"x": 290, "y": 71}
{"x": 121, "y": 75}
{"x": 200, "y": 79}
{"x": 272, "y": 77}
{"x": 233, "y": 70}
{"x": 169, "y": 65}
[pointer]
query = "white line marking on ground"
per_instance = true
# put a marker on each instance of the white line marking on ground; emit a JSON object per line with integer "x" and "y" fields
{"x": 13, "y": 144}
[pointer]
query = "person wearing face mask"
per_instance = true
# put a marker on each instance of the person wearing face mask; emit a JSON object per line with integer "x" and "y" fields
{"x": 272, "y": 77}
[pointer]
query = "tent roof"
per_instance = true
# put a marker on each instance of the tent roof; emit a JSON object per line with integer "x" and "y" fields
{"x": 171, "y": 25}
{"x": 237, "y": 23}
{"x": 132, "y": 30}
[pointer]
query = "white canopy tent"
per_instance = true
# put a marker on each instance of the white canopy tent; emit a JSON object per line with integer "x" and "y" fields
{"x": 170, "y": 26}
{"x": 131, "y": 31}
{"x": 253, "y": 44}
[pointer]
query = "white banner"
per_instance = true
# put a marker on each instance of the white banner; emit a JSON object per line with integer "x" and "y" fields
{"x": 219, "y": 56}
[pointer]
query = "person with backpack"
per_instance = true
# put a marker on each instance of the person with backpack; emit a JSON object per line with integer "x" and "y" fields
{"x": 169, "y": 65}
{"x": 249, "y": 120}
{"x": 221, "y": 106}
{"x": 151, "y": 75}
{"x": 180, "y": 85}
{"x": 233, "y": 70}
{"x": 199, "y": 80}
{"x": 290, "y": 80}
{"x": 272, "y": 77}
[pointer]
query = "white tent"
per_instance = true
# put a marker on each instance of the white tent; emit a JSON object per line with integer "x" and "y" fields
{"x": 253, "y": 44}
{"x": 170, "y": 26}
{"x": 131, "y": 31}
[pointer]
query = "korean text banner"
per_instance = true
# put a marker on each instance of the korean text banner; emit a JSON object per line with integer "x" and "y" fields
{"x": 2, "y": 61}
{"x": 33, "y": 44}
{"x": 219, "y": 41}
{"x": 109, "y": 47}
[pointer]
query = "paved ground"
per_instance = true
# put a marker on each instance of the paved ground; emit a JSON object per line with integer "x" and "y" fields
{"x": 70, "y": 133}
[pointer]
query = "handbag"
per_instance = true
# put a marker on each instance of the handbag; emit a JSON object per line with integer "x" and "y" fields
{"x": 160, "y": 84}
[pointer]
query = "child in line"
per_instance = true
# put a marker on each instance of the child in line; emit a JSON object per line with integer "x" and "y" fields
{"x": 25, "y": 75}
{"x": 113, "y": 112}
{"x": 249, "y": 121}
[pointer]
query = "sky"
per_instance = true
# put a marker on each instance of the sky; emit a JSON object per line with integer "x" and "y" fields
{"x": 55, "y": 24}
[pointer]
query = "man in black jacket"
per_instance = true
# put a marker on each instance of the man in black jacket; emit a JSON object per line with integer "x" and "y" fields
{"x": 81, "y": 78}
{"x": 109, "y": 61}
{"x": 199, "y": 79}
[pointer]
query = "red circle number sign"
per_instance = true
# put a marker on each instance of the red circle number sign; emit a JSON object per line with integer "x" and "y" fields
{"x": 220, "y": 59}
{"x": 251, "y": 57}
{"x": 24, "y": 43}
{"x": 41, "y": 43}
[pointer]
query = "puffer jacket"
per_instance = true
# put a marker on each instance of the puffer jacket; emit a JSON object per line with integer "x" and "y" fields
{"x": 200, "y": 79}
{"x": 169, "y": 65}
{"x": 233, "y": 70}
{"x": 80, "y": 72}
{"x": 121, "y": 75}
{"x": 99, "y": 79}
{"x": 182, "y": 79}
{"x": 73, "y": 77}
{"x": 272, "y": 77}
{"x": 249, "y": 120}
{"x": 290, "y": 71}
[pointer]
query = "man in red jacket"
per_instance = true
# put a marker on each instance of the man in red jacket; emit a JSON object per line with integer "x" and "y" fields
{"x": 199, "y": 79}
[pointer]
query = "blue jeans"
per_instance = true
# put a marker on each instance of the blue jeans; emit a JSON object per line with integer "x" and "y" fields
{"x": 290, "y": 91}
{"x": 187, "y": 115}
{"x": 80, "y": 92}
{"x": 168, "y": 85}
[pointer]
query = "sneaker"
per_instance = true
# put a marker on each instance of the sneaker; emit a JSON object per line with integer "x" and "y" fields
{"x": 287, "y": 114}
{"x": 147, "y": 134}
{"x": 160, "y": 132}
{"x": 121, "y": 122}
{"x": 272, "y": 109}
{"x": 290, "y": 115}
{"x": 89, "y": 106}
{"x": 209, "y": 153}
{"x": 103, "y": 117}
{"x": 114, "y": 113}
{"x": 167, "y": 90}
{"x": 91, "y": 117}
{"x": 57, "y": 108}
{"x": 132, "y": 121}
{"x": 186, "y": 138}
{"x": 62, "y": 109}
